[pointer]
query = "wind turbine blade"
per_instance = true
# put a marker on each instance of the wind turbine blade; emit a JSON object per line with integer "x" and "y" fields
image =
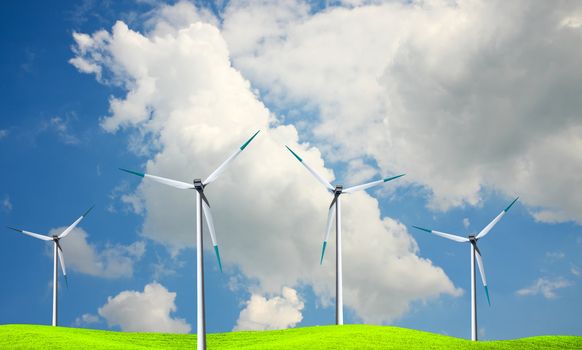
{"x": 482, "y": 272}
{"x": 229, "y": 160}
{"x": 445, "y": 235}
{"x": 330, "y": 216}
{"x": 313, "y": 172}
{"x": 495, "y": 221}
{"x": 370, "y": 184}
{"x": 177, "y": 184}
{"x": 68, "y": 230}
{"x": 62, "y": 261}
{"x": 32, "y": 234}
{"x": 210, "y": 224}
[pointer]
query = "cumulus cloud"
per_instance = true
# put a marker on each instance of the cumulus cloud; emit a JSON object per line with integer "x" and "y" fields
{"x": 60, "y": 126}
{"x": 464, "y": 96}
{"x": 86, "y": 320}
{"x": 112, "y": 261}
{"x": 278, "y": 312}
{"x": 190, "y": 109}
{"x": 83, "y": 43}
{"x": 546, "y": 287}
{"x": 147, "y": 311}
{"x": 162, "y": 269}
{"x": 130, "y": 202}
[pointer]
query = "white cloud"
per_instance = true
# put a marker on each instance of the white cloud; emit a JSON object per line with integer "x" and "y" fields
{"x": 557, "y": 255}
{"x": 190, "y": 109}
{"x": 135, "y": 202}
{"x": 575, "y": 270}
{"x": 163, "y": 268}
{"x": 122, "y": 193}
{"x": 460, "y": 95}
{"x": 112, "y": 261}
{"x": 86, "y": 320}
{"x": 83, "y": 43}
{"x": 278, "y": 312}
{"x": 168, "y": 19}
{"x": 6, "y": 204}
{"x": 3, "y": 133}
{"x": 147, "y": 311}
{"x": 466, "y": 222}
{"x": 61, "y": 127}
{"x": 546, "y": 287}
{"x": 359, "y": 172}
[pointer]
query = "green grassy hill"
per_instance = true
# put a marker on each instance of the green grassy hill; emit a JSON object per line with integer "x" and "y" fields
{"x": 325, "y": 337}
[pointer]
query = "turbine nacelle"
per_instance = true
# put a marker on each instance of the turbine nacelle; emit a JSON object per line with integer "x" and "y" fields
{"x": 338, "y": 190}
{"x": 198, "y": 185}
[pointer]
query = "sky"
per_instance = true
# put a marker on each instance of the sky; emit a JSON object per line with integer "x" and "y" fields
{"x": 476, "y": 101}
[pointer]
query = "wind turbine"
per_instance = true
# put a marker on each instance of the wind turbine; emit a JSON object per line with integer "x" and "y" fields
{"x": 475, "y": 252}
{"x": 202, "y": 206}
{"x": 335, "y": 208}
{"x": 57, "y": 251}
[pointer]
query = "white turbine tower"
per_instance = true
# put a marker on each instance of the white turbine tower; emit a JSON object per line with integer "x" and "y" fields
{"x": 475, "y": 252}
{"x": 57, "y": 252}
{"x": 202, "y": 206}
{"x": 335, "y": 208}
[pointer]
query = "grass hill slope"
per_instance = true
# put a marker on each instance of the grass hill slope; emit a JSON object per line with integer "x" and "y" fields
{"x": 323, "y": 337}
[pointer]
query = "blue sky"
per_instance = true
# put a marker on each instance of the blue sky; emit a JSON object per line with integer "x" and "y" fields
{"x": 60, "y": 156}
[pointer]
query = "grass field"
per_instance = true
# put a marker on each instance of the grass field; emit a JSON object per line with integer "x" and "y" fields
{"x": 324, "y": 337}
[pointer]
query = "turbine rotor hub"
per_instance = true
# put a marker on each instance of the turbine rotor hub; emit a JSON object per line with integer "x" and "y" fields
{"x": 338, "y": 190}
{"x": 198, "y": 185}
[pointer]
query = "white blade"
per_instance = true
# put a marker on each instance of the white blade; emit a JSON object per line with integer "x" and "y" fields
{"x": 313, "y": 172}
{"x": 210, "y": 224}
{"x": 495, "y": 221}
{"x": 32, "y": 234}
{"x": 445, "y": 235}
{"x": 330, "y": 216}
{"x": 62, "y": 260}
{"x": 482, "y": 273}
{"x": 221, "y": 168}
{"x": 177, "y": 184}
{"x": 481, "y": 267}
{"x": 370, "y": 184}
{"x": 229, "y": 160}
{"x": 490, "y": 226}
{"x": 74, "y": 224}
